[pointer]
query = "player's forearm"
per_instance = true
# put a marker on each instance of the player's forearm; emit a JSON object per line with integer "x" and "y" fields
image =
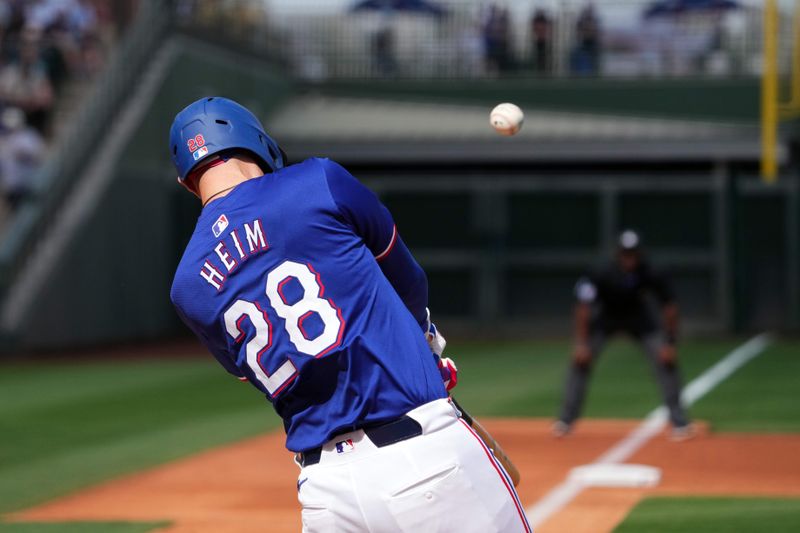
{"x": 582, "y": 316}
{"x": 671, "y": 320}
{"x": 407, "y": 278}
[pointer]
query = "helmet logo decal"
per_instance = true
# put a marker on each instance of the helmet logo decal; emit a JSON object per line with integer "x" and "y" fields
{"x": 197, "y": 142}
{"x": 200, "y": 153}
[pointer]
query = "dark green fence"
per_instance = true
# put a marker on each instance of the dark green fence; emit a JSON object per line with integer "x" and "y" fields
{"x": 504, "y": 250}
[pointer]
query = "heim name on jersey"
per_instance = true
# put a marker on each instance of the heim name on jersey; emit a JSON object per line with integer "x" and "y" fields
{"x": 233, "y": 250}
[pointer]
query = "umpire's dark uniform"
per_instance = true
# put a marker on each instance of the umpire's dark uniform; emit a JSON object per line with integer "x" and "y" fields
{"x": 615, "y": 300}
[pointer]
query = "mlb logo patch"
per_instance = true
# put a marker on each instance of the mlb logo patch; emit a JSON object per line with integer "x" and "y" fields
{"x": 200, "y": 153}
{"x": 220, "y": 225}
{"x": 345, "y": 446}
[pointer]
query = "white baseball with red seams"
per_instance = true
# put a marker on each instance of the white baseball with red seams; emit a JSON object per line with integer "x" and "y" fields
{"x": 507, "y": 119}
{"x": 444, "y": 480}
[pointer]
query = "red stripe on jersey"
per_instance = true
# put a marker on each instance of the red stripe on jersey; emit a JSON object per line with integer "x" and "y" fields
{"x": 388, "y": 249}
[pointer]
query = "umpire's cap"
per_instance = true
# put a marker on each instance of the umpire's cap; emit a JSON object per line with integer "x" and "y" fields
{"x": 215, "y": 124}
{"x": 629, "y": 241}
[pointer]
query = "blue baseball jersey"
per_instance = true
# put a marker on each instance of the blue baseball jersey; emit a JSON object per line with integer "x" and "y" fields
{"x": 298, "y": 282}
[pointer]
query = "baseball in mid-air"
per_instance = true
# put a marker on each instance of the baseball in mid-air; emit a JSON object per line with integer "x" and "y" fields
{"x": 507, "y": 119}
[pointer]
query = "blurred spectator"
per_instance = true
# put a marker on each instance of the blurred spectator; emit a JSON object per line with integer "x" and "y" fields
{"x": 12, "y": 21}
{"x": 383, "y": 44}
{"x": 24, "y": 82}
{"x": 118, "y": 13}
{"x": 82, "y": 35}
{"x": 716, "y": 61}
{"x": 44, "y": 14}
{"x": 541, "y": 35}
{"x": 68, "y": 28}
{"x": 497, "y": 38}
{"x": 586, "y": 55}
{"x": 92, "y": 55}
{"x": 57, "y": 54}
{"x": 184, "y": 9}
{"x": 81, "y": 19}
{"x": 84, "y": 27}
{"x": 6, "y": 15}
{"x": 21, "y": 151}
{"x": 248, "y": 17}
{"x": 44, "y": 44}
{"x": 657, "y": 51}
{"x": 471, "y": 51}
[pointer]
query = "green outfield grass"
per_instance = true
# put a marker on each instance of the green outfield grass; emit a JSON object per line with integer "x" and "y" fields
{"x": 525, "y": 379}
{"x": 758, "y": 397}
{"x": 713, "y": 515}
{"x": 69, "y": 425}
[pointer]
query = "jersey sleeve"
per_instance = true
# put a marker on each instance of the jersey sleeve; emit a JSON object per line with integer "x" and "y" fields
{"x": 408, "y": 279}
{"x": 370, "y": 220}
{"x": 223, "y": 358}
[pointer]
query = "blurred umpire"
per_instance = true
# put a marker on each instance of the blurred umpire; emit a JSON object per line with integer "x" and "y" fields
{"x": 614, "y": 300}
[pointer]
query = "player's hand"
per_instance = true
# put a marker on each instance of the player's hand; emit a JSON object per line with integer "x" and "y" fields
{"x": 448, "y": 371}
{"x": 582, "y": 355}
{"x": 435, "y": 339}
{"x": 667, "y": 355}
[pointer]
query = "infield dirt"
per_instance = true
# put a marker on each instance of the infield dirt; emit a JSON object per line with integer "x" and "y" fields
{"x": 251, "y": 486}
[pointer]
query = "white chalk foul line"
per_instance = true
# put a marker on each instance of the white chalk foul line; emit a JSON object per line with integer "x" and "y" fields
{"x": 561, "y": 495}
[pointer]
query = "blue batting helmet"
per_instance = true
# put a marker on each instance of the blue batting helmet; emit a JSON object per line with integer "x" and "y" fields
{"x": 214, "y": 124}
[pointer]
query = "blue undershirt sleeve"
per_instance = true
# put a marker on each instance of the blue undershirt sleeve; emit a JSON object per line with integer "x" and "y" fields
{"x": 223, "y": 358}
{"x": 371, "y": 221}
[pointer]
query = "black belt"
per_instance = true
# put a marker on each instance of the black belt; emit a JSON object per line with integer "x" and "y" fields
{"x": 382, "y": 434}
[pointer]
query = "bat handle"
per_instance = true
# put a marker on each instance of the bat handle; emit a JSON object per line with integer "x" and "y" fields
{"x": 497, "y": 451}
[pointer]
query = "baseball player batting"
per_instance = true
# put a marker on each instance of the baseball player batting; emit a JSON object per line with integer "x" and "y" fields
{"x": 297, "y": 281}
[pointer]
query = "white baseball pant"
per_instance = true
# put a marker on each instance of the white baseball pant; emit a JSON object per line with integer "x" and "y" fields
{"x": 444, "y": 480}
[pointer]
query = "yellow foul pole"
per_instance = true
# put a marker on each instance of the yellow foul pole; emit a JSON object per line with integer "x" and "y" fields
{"x": 794, "y": 102}
{"x": 769, "y": 94}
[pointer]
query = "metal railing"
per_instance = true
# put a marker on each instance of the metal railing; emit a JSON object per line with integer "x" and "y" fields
{"x": 331, "y": 40}
{"x": 90, "y": 123}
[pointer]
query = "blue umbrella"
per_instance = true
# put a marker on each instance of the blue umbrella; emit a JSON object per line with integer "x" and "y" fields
{"x": 665, "y": 8}
{"x": 414, "y": 6}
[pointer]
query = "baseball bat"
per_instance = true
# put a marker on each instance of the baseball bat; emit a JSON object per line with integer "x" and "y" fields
{"x": 499, "y": 454}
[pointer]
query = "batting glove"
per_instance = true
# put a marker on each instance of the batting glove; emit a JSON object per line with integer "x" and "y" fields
{"x": 449, "y": 373}
{"x": 435, "y": 339}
